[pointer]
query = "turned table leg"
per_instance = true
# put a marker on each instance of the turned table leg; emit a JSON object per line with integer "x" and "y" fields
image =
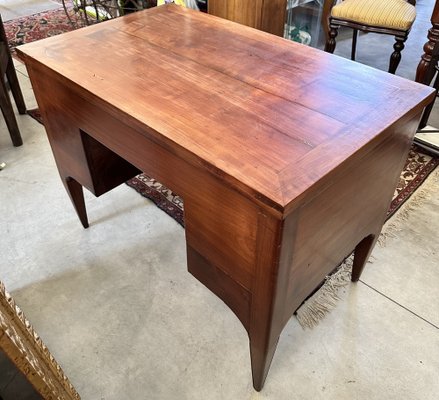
{"x": 427, "y": 66}
{"x": 424, "y": 74}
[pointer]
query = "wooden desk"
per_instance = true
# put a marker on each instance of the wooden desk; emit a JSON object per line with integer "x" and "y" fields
{"x": 286, "y": 157}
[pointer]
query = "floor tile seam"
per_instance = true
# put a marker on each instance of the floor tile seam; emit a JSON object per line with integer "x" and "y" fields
{"x": 400, "y": 305}
{"x": 22, "y": 73}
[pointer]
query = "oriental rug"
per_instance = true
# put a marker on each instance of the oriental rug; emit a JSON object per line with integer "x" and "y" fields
{"x": 39, "y": 26}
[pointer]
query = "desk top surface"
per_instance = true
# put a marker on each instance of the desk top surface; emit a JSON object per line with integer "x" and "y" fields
{"x": 271, "y": 116}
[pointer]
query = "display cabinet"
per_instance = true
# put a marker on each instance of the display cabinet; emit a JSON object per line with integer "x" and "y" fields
{"x": 298, "y": 20}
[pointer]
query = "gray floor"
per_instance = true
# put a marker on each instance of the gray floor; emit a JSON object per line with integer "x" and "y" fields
{"x": 117, "y": 308}
{"x": 11, "y": 9}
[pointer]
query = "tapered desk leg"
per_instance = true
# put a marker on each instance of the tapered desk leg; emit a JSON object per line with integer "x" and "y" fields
{"x": 254, "y": 286}
{"x": 76, "y": 194}
{"x": 268, "y": 295}
{"x": 361, "y": 255}
{"x": 262, "y": 350}
{"x": 269, "y": 310}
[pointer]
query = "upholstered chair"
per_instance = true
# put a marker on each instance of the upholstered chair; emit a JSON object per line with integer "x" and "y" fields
{"x": 390, "y": 17}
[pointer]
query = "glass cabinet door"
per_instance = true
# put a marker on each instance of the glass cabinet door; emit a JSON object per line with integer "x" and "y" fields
{"x": 304, "y": 22}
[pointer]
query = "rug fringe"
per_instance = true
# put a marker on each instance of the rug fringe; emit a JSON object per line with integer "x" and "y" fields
{"x": 325, "y": 299}
{"x": 392, "y": 227}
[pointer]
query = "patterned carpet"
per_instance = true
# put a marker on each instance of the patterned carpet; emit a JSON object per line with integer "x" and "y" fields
{"x": 34, "y": 27}
{"x": 27, "y": 29}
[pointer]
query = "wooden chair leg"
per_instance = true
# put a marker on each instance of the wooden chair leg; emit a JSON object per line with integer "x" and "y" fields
{"x": 8, "y": 113}
{"x": 354, "y": 44}
{"x": 15, "y": 87}
{"x": 395, "y": 58}
{"x": 427, "y": 111}
{"x": 330, "y": 43}
{"x": 7, "y": 69}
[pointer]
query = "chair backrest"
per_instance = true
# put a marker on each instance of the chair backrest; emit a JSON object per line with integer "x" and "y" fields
{"x": 326, "y": 12}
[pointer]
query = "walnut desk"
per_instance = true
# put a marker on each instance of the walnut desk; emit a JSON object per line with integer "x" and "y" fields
{"x": 286, "y": 157}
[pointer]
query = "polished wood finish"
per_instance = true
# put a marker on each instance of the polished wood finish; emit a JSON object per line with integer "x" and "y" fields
{"x": 326, "y": 12}
{"x": 286, "y": 157}
{"x": 7, "y": 70}
{"x": 427, "y": 66}
{"x": 22, "y": 345}
{"x": 427, "y": 77}
{"x": 424, "y": 72}
{"x": 335, "y": 23}
{"x": 266, "y": 15}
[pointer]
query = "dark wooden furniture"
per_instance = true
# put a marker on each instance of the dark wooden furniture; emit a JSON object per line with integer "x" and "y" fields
{"x": 27, "y": 369}
{"x": 268, "y": 16}
{"x": 427, "y": 77}
{"x": 425, "y": 71}
{"x": 371, "y": 23}
{"x": 273, "y": 16}
{"x": 7, "y": 70}
{"x": 428, "y": 68}
{"x": 286, "y": 157}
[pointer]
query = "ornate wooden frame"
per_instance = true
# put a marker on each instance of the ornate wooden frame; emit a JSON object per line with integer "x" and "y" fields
{"x": 30, "y": 355}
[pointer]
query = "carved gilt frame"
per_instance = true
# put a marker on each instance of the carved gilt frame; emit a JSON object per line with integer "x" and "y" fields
{"x": 30, "y": 355}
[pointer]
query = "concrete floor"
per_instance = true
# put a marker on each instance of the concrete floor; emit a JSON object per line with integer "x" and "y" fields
{"x": 118, "y": 310}
{"x": 11, "y": 9}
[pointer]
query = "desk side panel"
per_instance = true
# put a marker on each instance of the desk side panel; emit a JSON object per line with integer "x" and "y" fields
{"x": 351, "y": 205}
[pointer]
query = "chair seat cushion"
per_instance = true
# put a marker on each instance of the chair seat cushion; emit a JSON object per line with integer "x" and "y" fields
{"x": 393, "y": 14}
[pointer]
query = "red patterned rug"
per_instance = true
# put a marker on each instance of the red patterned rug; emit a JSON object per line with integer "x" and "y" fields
{"x": 27, "y": 29}
{"x": 416, "y": 169}
{"x": 39, "y": 26}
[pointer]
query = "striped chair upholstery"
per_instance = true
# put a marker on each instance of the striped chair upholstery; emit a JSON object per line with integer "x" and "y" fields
{"x": 394, "y": 14}
{"x": 394, "y": 17}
